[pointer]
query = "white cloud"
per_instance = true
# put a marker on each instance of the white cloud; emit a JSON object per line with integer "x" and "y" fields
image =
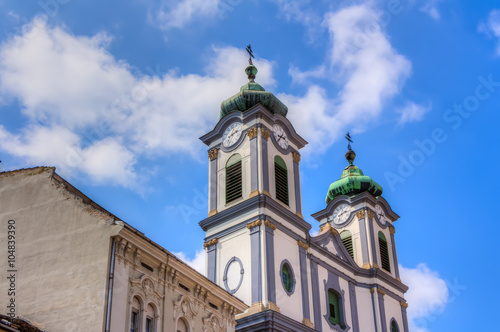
{"x": 492, "y": 27}
{"x": 430, "y": 8}
{"x": 412, "y": 112}
{"x": 369, "y": 71}
{"x": 90, "y": 113}
{"x": 198, "y": 261}
{"x": 427, "y": 295}
{"x": 179, "y": 13}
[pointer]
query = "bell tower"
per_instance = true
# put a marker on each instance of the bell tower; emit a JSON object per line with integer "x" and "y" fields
{"x": 255, "y": 207}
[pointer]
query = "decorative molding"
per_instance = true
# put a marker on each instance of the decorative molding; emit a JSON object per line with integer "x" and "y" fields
{"x": 372, "y": 290}
{"x": 360, "y": 214}
{"x": 265, "y": 133}
{"x": 255, "y": 223}
{"x": 398, "y": 279}
{"x": 212, "y": 213}
{"x": 270, "y": 224}
{"x": 308, "y": 323}
{"x": 302, "y": 244}
{"x": 253, "y": 193}
{"x": 380, "y": 291}
{"x": 211, "y": 242}
{"x": 212, "y": 323}
{"x": 252, "y": 132}
{"x": 212, "y": 154}
{"x": 371, "y": 215}
{"x": 392, "y": 229}
{"x": 403, "y": 304}
{"x": 296, "y": 157}
{"x": 366, "y": 266}
{"x": 334, "y": 231}
{"x": 299, "y": 215}
{"x": 185, "y": 307}
{"x": 265, "y": 192}
{"x": 375, "y": 265}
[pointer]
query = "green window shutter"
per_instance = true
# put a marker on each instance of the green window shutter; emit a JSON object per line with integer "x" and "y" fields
{"x": 281, "y": 179}
{"x": 234, "y": 184}
{"x": 384, "y": 252}
{"x": 333, "y": 308}
{"x": 347, "y": 240}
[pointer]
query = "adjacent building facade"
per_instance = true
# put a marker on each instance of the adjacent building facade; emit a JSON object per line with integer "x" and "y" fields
{"x": 80, "y": 268}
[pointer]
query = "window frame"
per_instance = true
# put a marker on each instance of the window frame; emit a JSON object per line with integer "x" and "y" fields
{"x": 286, "y": 264}
{"x": 383, "y": 247}
{"x": 233, "y": 174}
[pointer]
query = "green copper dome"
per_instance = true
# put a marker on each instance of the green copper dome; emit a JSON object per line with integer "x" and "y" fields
{"x": 250, "y": 95}
{"x": 352, "y": 182}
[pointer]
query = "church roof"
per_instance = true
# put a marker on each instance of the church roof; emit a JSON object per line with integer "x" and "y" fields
{"x": 352, "y": 181}
{"x": 250, "y": 95}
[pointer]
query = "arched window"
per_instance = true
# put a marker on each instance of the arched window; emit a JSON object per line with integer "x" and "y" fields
{"x": 281, "y": 179}
{"x": 150, "y": 318}
{"x": 135, "y": 320}
{"x": 384, "y": 252}
{"x": 234, "y": 185}
{"x": 182, "y": 326}
{"x": 347, "y": 240}
{"x": 333, "y": 308}
{"x": 394, "y": 326}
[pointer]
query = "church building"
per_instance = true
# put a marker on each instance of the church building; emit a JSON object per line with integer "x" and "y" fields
{"x": 77, "y": 267}
{"x": 259, "y": 247}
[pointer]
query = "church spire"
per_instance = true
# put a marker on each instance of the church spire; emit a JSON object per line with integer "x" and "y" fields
{"x": 352, "y": 181}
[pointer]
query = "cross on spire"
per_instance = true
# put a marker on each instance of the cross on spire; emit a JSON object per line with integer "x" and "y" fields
{"x": 349, "y": 140}
{"x": 250, "y": 54}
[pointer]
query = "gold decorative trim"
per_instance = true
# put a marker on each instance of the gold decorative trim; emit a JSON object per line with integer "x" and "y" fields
{"x": 392, "y": 229}
{"x": 371, "y": 215}
{"x": 211, "y": 242}
{"x": 372, "y": 290}
{"x": 308, "y": 323}
{"x": 302, "y": 244}
{"x": 397, "y": 278}
{"x": 252, "y": 132}
{"x": 334, "y": 231}
{"x": 255, "y": 223}
{"x": 403, "y": 304}
{"x": 270, "y": 225}
{"x": 296, "y": 157}
{"x": 366, "y": 266}
{"x": 360, "y": 214}
{"x": 265, "y": 133}
{"x": 212, "y": 154}
{"x": 272, "y": 306}
{"x": 375, "y": 265}
{"x": 299, "y": 215}
{"x": 324, "y": 227}
{"x": 265, "y": 192}
{"x": 212, "y": 213}
{"x": 380, "y": 291}
{"x": 253, "y": 193}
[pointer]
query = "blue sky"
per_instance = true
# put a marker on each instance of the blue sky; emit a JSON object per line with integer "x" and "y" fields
{"x": 115, "y": 95}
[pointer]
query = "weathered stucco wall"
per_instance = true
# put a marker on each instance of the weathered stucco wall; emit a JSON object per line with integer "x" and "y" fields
{"x": 62, "y": 251}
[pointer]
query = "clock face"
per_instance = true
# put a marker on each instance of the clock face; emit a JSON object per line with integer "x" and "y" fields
{"x": 280, "y": 136}
{"x": 232, "y": 134}
{"x": 341, "y": 213}
{"x": 380, "y": 214}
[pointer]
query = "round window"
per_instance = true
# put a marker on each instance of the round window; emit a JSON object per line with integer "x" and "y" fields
{"x": 287, "y": 278}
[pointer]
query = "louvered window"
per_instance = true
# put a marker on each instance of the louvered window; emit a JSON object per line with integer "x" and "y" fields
{"x": 234, "y": 185}
{"x": 347, "y": 240}
{"x": 333, "y": 308}
{"x": 384, "y": 252}
{"x": 281, "y": 175}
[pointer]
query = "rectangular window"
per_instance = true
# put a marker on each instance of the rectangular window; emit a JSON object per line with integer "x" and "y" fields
{"x": 134, "y": 321}
{"x": 234, "y": 183}
{"x": 149, "y": 324}
{"x": 281, "y": 183}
